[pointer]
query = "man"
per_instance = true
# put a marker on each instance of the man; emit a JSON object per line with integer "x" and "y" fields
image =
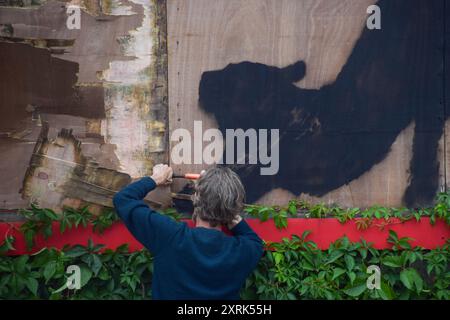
{"x": 201, "y": 262}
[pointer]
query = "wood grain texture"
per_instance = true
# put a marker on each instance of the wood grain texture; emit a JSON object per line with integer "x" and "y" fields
{"x": 106, "y": 81}
{"x": 208, "y": 35}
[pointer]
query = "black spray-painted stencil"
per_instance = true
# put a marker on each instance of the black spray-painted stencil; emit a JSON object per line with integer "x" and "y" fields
{"x": 332, "y": 135}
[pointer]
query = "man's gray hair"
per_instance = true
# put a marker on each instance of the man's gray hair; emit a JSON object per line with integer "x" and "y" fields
{"x": 219, "y": 196}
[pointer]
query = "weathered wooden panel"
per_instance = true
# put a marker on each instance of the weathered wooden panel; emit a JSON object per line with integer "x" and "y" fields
{"x": 362, "y": 126}
{"x": 106, "y": 81}
{"x": 59, "y": 173}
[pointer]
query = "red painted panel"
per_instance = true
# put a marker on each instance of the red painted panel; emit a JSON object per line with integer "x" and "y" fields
{"x": 323, "y": 232}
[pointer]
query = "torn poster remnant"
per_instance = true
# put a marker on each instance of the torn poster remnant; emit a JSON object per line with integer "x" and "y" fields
{"x": 60, "y": 175}
{"x": 107, "y": 81}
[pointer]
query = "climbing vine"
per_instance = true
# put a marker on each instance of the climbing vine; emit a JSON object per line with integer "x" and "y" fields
{"x": 297, "y": 269}
{"x": 366, "y": 217}
{"x": 40, "y": 220}
{"x": 291, "y": 269}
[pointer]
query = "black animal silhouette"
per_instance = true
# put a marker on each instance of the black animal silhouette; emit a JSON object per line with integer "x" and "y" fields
{"x": 332, "y": 135}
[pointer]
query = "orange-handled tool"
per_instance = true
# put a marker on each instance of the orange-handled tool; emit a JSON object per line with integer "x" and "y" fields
{"x": 190, "y": 176}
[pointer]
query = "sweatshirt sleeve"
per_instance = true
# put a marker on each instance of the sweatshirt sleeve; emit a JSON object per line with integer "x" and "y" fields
{"x": 150, "y": 228}
{"x": 251, "y": 240}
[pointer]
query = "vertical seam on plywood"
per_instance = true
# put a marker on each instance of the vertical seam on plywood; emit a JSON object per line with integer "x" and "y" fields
{"x": 444, "y": 88}
{"x": 166, "y": 68}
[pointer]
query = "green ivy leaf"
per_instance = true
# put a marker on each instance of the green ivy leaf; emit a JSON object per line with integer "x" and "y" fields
{"x": 291, "y": 296}
{"x": 21, "y": 263}
{"x": 49, "y": 270}
{"x": 278, "y": 257}
{"x": 356, "y": 290}
{"x": 50, "y": 214}
{"x": 292, "y": 209}
{"x": 47, "y": 230}
{"x": 352, "y": 276}
{"x": 334, "y": 256}
{"x": 417, "y": 216}
{"x": 104, "y": 274}
{"x": 385, "y": 291}
{"x": 433, "y": 219}
{"x": 393, "y": 261}
{"x": 349, "y": 262}
{"x": 337, "y": 272}
{"x": 96, "y": 264}
{"x": 86, "y": 275}
{"x": 393, "y": 236}
{"x": 411, "y": 279}
{"x": 32, "y": 285}
{"x": 76, "y": 251}
{"x": 378, "y": 214}
{"x": 29, "y": 238}
{"x": 7, "y": 244}
{"x": 305, "y": 234}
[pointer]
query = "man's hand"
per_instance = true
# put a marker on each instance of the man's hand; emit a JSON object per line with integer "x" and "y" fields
{"x": 162, "y": 174}
{"x": 235, "y": 221}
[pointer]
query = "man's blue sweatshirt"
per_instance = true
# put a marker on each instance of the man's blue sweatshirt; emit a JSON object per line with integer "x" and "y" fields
{"x": 189, "y": 263}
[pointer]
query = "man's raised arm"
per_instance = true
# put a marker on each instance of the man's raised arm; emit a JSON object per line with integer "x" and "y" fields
{"x": 150, "y": 228}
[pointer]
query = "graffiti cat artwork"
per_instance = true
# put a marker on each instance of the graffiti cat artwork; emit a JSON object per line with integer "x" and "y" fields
{"x": 332, "y": 135}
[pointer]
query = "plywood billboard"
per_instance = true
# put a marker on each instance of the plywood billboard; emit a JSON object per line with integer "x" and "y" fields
{"x": 360, "y": 109}
{"x": 83, "y": 99}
